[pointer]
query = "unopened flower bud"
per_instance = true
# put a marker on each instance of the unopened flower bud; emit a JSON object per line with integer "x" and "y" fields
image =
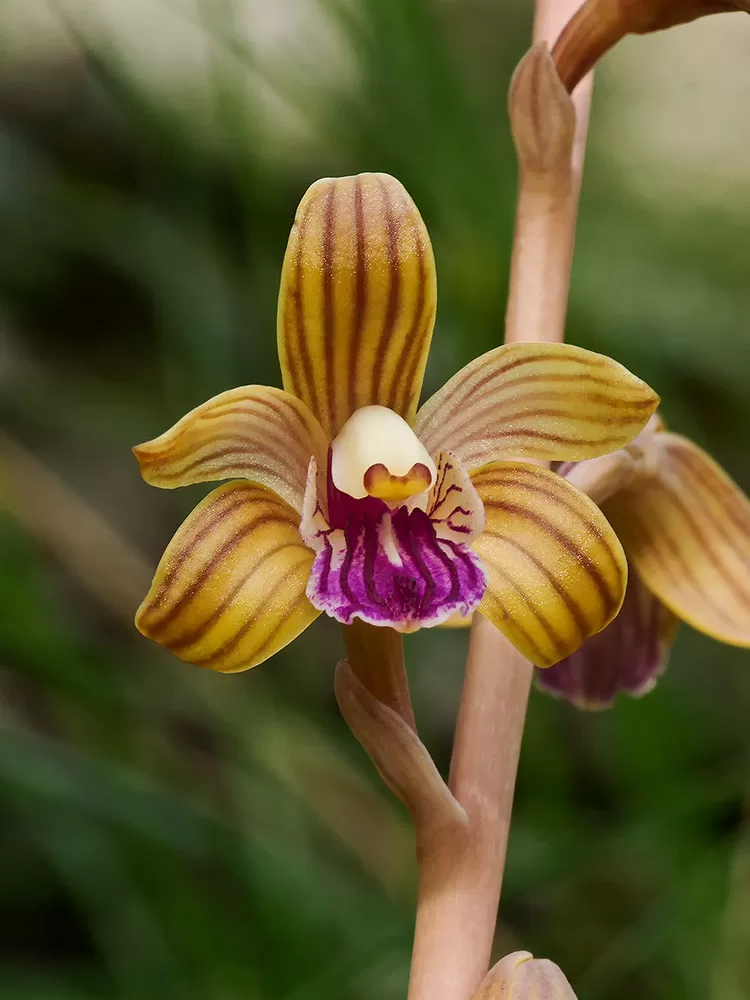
{"x": 520, "y": 976}
{"x": 542, "y": 116}
{"x": 600, "y": 24}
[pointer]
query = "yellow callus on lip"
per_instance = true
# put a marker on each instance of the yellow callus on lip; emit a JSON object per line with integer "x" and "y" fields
{"x": 381, "y": 483}
{"x": 377, "y": 454}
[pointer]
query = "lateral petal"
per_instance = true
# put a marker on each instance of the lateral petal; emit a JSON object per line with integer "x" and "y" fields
{"x": 543, "y": 401}
{"x": 686, "y": 529}
{"x": 556, "y": 569}
{"x": 255, "y": 432}
{"x": 357, "y": 299}
{"x": 629, "y": 655}
{"x": 229, "y": 590}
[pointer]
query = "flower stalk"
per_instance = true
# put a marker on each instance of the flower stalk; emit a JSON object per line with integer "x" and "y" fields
{"x": 460, "y": 881}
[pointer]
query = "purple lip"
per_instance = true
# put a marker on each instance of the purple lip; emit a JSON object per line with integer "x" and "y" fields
{"x": 404, "y": 568}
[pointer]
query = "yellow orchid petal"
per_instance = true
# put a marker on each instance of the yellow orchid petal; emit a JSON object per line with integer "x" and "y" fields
{"x": 544, "y": 401}
{"x": 556, "y": 569}
{"x": 686, "y": 530}
{"x": 255, "y": 432}
{"x": 357, "y": 299}
{"x": 230, "y": 589}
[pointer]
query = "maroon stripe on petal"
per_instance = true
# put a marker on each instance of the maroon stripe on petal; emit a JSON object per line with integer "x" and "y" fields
{"x": 253, "y": 618}
{"x": 680, "y": 573}
{"x": 709, "y": 551}
{"x": 210, "y": 568}
{"x": 189, "y": 638}
{"x": 720, "y": 490}
{"x": 412, "y": 352}
{"x": 328, "y": 312}
{"x": 574, "y": 608}
{"x": 607, "y": 597}
{"x": 219, "y": 511}
{"x": 303, "y": 348}
{"x": 360, "y": 292}
{"x": 390, "y": 319}
{"x": 533, "y": 608}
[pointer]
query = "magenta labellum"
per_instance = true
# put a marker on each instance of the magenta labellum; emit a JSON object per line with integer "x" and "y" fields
{"x": 406, "y": 564}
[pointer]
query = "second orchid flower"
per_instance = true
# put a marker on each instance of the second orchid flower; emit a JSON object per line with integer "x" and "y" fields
{"x": 685, "y": 527}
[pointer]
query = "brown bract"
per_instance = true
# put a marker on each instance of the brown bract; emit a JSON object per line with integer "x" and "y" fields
{"x": 600, "y": 24}
{"x": 542, "y": 116}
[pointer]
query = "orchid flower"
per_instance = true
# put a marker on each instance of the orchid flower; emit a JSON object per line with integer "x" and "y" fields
{"x": 345, "y": 498}
{"x": 685, "y": 527}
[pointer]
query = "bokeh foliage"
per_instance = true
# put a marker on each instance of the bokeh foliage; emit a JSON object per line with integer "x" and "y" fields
{"x": 168, "y": 833}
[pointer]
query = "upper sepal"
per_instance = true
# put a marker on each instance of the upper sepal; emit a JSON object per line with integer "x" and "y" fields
{"x": 357, "y": 299}
{"x": 686, "y": 529}
{"x": 542, "y": 401}
{"x": 556, "y": 569}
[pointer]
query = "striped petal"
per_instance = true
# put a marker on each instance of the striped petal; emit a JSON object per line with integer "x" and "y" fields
{"x": 556, "y": 569}
{"x": 629, "y": 655}
{"x": 255, "y": 432}
{"x": 357, "y": 299}
{"x": 230, "y": 589}
{"x": 544, "y": 401}
{"x": 686, "y": 530}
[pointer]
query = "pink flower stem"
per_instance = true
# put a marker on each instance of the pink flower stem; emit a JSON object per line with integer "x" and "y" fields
{"x": 461, "y": 877}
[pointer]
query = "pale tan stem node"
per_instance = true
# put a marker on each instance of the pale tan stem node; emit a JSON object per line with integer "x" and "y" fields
{"x": 542, "y": 115}
{"x": 549, "y": 130}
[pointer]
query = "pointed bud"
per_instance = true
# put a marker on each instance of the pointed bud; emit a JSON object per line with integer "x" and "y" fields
{"x": 521, "y": 977}
{"x": 542, "y": 115}
{"x": 600, "y": 24}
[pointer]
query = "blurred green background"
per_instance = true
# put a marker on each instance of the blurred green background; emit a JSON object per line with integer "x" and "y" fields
{"x": 169, "y": 833}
